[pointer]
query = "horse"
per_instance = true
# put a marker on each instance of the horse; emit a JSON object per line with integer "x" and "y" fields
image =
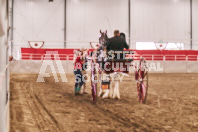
{"x": 106, "y": 85}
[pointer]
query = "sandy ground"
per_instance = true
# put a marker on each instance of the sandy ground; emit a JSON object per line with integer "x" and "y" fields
{"x": 172, "y": 105}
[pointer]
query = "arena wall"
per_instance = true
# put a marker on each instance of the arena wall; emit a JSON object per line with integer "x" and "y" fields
{"x": 159, "y": 21}
{"x": 4, "y": 72}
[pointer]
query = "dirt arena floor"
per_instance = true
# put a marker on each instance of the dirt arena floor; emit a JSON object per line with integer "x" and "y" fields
{"x": 172, "y": 105}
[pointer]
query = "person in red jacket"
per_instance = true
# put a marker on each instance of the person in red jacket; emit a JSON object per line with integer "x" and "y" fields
{"x": 78, "y": 74}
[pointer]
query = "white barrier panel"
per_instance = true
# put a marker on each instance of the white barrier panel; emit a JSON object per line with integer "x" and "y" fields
{"x": 34, "y": 66}
{"x": 156, "y": 66}
{"x": 192, "y": 67}
{"x": 175, "y": 67}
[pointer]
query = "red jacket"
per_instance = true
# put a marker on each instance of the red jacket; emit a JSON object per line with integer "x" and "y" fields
{"x": 78, "y": 63}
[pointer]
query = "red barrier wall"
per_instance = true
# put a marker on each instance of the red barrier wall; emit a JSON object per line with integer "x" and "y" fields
{"x": 179, "y": 55}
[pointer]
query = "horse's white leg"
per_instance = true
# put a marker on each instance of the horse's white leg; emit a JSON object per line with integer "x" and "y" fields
{"x": 111, "y": 90}
{"x": 116, "y": 93}
{"x": 106, "y": 94}
{"x": 111, "y": 85}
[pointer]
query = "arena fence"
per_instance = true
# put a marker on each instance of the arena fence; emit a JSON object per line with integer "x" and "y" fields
{"x": 27, "y": 56}
{"x": 150, "y": 55}
{"x": 31, "y": 60}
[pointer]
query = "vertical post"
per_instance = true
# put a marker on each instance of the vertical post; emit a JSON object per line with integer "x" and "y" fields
{"x": 191, "y": 29}
{"x": 7, "y": 52}
{"x": 12, "y": 26}
{"x": 65, "y": 44}
{"x": 129, "y": 21}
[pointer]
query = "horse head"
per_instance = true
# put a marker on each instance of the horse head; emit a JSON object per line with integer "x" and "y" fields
{"x": 103, "y": 39}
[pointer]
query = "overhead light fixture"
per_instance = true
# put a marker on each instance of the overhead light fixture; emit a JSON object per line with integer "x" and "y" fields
{"x": 51, "y": 0}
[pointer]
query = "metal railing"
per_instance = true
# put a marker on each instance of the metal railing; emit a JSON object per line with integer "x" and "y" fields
{"x": 149, "y": 57}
